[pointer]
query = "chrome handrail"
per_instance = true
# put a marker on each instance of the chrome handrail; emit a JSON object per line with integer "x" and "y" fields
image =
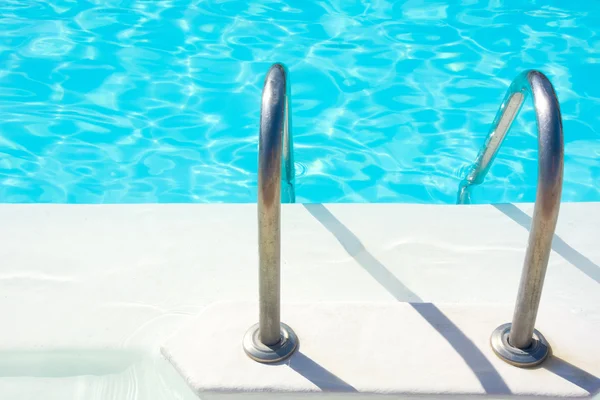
{"x": 520, "y": 343}
{"x": 270, "y": 340}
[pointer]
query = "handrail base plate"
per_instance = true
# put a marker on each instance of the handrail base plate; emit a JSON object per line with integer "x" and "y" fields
{"x": 260, "y": 352}
{"x": 533, "y": 355}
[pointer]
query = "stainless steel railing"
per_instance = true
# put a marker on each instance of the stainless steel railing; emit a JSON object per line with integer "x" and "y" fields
{"x": 270, "y": 340}
{"x": 520, "y": 343}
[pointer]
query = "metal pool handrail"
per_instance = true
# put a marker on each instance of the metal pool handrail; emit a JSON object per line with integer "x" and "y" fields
{"x": 519, "y": 343}
{"x": 270, "y": 340}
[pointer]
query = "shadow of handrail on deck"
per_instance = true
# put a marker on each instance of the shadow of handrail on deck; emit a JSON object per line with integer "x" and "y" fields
{"x": 319, "y": 376}
{"x": 573, "y": 374}
{"x": 490, "y": 379}
{"x": 567, "y": 252}
{"x": 356, "y": 249}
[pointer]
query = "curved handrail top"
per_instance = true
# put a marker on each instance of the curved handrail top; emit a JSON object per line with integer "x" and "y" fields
{"x": 550, "y": 137}
{"x": 275, "y": 123}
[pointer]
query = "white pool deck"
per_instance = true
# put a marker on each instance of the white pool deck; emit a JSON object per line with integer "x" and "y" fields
{"x": 386, "y": 298}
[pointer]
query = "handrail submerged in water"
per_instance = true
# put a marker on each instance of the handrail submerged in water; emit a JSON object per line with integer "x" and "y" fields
{"x": 519, "y": 343}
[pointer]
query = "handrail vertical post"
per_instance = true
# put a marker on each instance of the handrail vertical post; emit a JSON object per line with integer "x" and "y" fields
{"x": 519, "y": 343}
{"x": 270, "y": 340}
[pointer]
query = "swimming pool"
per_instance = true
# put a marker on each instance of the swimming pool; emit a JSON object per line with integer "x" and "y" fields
{"x": 158, "y": 101}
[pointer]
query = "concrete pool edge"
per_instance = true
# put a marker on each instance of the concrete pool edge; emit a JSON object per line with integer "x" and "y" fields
{"x": 382, "y": 348}
{"x": 130, "y": 276}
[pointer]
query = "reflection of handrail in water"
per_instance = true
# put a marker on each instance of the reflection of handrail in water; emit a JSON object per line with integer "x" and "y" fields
{"x": 516, "y": 342}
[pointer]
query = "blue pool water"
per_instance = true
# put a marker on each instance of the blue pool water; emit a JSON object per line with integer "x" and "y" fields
{"x": 105, "y": 101}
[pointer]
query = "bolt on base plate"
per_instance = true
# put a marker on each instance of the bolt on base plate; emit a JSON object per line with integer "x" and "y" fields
{"x": 531, "y": 356}
{"x": 260, "y": 352}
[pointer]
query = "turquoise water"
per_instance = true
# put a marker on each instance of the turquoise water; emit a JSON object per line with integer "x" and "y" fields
{"x": 158, "y": 101}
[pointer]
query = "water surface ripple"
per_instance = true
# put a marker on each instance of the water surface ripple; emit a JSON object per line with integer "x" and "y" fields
{"x": 115, "y": 101}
